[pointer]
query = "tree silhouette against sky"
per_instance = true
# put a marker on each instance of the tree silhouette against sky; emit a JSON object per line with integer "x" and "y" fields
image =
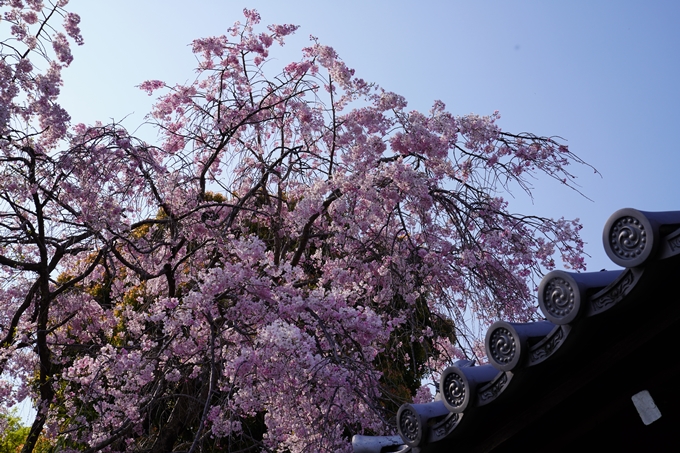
{"x": 278, "y": 271}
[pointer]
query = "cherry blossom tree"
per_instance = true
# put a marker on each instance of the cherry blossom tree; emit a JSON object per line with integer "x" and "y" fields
{"x": 277, "y": 273}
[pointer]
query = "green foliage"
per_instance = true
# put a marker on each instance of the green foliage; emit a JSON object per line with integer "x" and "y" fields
{"x": 15, "y": 433}
{"x": 399, "y": 382}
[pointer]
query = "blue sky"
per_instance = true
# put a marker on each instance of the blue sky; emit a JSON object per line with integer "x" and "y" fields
{"x": 602, "y": 74}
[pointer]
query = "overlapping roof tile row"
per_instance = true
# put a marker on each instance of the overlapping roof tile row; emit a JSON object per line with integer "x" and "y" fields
{"x": 522, "y": 357}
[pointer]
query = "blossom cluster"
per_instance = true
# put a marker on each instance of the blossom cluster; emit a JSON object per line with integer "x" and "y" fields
{"x": 278, "y": 273}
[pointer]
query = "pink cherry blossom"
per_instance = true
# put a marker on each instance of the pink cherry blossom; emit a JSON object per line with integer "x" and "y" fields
{"x": 289, "y": 260}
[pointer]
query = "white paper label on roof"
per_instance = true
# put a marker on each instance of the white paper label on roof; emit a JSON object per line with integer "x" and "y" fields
{"x": 645, "y": 406}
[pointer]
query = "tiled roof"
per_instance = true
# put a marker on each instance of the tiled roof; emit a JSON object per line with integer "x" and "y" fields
{"x": 594, "y": 321}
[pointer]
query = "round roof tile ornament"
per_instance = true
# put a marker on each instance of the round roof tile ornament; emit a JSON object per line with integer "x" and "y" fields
{"x": 458, "y": 385}
{"x": 453, "y": 389}
{"x": 415, "y": 420}
{"x": 564, "y": 296}
{"x": 629, "y": 238}
{"x": 559, "y": 297}
{"x": 632, "y": 237}
{"x": 502, "y": 347}
{"x": 507, "y": 343}
{"x": 409, "y": 425}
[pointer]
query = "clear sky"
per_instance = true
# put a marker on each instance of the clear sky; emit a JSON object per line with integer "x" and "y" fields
{"x": 602, "y": 74}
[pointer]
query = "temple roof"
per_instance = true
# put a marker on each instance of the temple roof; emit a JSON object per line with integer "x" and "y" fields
{"x": 598, "y": 371}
